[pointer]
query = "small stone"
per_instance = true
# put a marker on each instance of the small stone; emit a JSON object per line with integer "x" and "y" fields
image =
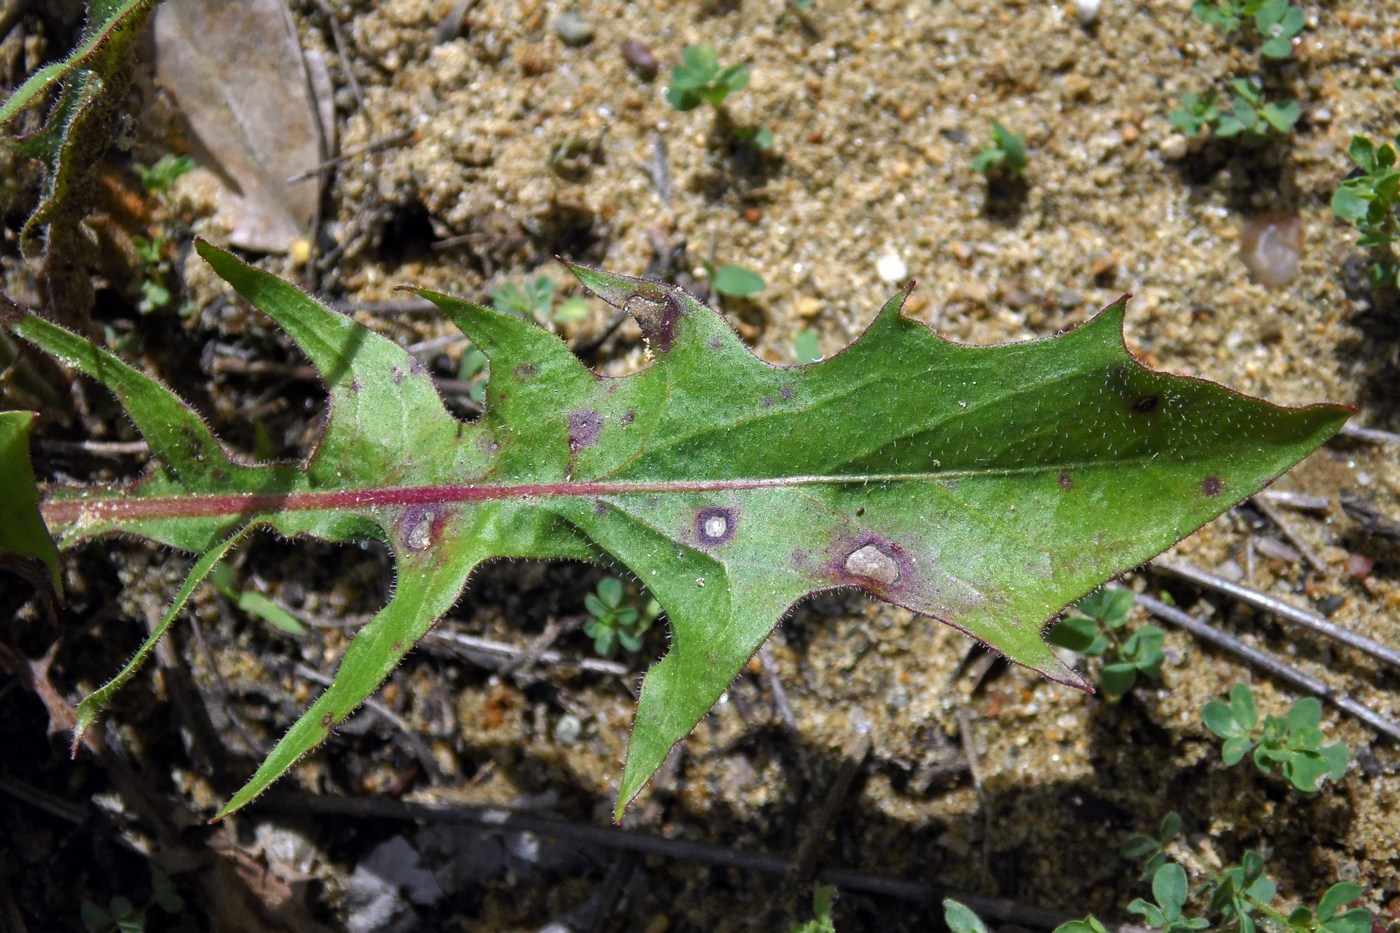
{"x": 572, "y": 29}
{"x": 809, "y": 307}
{"x": 1086, "y": 11}
{"x": 1271, "y": 247}
{"x": 891, "y": 268}
{"x": 640, "y": 59}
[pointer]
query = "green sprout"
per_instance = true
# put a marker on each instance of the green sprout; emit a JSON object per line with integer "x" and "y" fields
{"x": 698, "y": 79}
{"x": 612, "y": 623}
{"x": 535, "y": 302}
{"x": 1277, "y": 21}
{"x": 733, "y": 281}
{"x": 1170, "y": 891}
{"x": 1005, "y": 154}
{"x": 157, "y": 268}
{"x": 1370, "y": 201}
{"x": 1247, "y": 113}
{"x": 1291, "y": 744}
{"x": 962, "y": 919}
{"x": 821, "y": 921}
{"x": 1096, "y": 629}
{"x": 1153, "y": 848}
{"x": 807, "y": 346}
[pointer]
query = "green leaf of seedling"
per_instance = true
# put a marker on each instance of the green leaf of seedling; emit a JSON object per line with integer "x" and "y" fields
{"x": 960, "y": 918}
{"x": 1117, "y": 679}
{"x": 1282, "y": 116}
{"x": 1090, "y": 924}
{"x": 737, "y": 281}
{"x": 1078, "y": 634}
{"x": 1348, "y": 204}
{"x": 1235, "y": 748}
{"x": 807, "y": 346}
{"x": 25, "y": 544}
{"x": 986, "y": 487}
{"x": 1242, "y": 707}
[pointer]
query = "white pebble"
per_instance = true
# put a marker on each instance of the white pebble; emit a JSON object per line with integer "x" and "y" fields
{"x": 1087, "y": 11}
{"x": 891, "y": 268}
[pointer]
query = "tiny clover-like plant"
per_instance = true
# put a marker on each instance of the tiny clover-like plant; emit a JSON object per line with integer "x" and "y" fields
{"x": 699, "y": 79}
{"x": 1290, "y": 744}
{"x": 1152, "y": 848}
{"x": 1277, "y": 21}
{"x": 1096, "y": 628}
{"x": 1005, "y": 154}
{"x": 1331, "y": 915}
{"x": 612, "y": 622}
{"x": 1246, "y": 113}
{"x": 1169, "y": 889}
{"x": 986, "y": 487}
{"x": 1370, "y": 202}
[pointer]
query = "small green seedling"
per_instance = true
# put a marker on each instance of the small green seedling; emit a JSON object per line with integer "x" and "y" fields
{"x": 698, "y": 79}
{"x": 1330, "y": 915}
{"x": 1005, "y": 154}
{"x": 1277, "y": 21}
{"x": 962, "y": 919}
{"x": 1096, "y": 629}
{"x": 733, "y": 281}
{"x": 1371, "y": 203}
{"x": 612, "y": 623}
{"x": 1089, "y": 924}
{"x": 821, "y": 921}
{"x": 1170, "y": 891}
{"x": 1153, "y": 848}
{"x": 157, "y": 269}
{"x": 1291, "y": 745}
{"x": 535, "y": 302}
{"x": 122, "y": 916}
{"x": 225, "y": 583}
{"x": 807, "y": 346}
{"x": 1246, "y": 113}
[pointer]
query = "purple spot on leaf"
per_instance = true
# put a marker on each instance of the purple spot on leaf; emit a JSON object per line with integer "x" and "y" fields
{"x": 1066, "y": 482}
{"x": 585, "y": 425}
{"x": 714, "y": 525}
{"x": 716, "y": 343}
{"x": 1211, "y": 486}
{"x": 1146, "y": 404}
{"x": 657, "y": 319}
{"x": 526, "y": 371}
{"x": 420, "y": 527}
{"x": 786, "y": 393}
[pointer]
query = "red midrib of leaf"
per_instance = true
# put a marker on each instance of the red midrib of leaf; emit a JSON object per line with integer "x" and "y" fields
{"x": 87, "y": 511}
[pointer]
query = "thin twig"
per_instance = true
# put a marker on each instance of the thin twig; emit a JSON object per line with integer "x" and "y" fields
{"x": 1281, "y": 609}
{"x": 471, "y": 644}
{"x": 1301, "y": 501}
{"x": 1270, "y": 664}
{"x": 496, "y": 820}
{"x": 1287, "y": 530}
{"x": 814, "y": 841}
{"x": 1373, "y": 435}
{"x": 775, "y": 687}
{"x": 380, "y": 709}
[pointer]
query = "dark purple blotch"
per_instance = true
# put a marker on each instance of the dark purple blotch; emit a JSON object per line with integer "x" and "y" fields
{"x": 1066, "y": 482}
{"x": 420, "y": 526}
{"x": 786, "y": 393}
{"x": 526, "y": 371}
{"x": 585, "y": 425}
{"x": 628, "y": 416}
{"x": 714, "y": 525}
{"x": 1146, "y": 404}
{"x": 657, "y": 319}
{"x": 1211, "y": 486}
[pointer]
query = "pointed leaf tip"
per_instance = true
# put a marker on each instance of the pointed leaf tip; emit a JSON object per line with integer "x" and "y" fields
{"x": 657, "y": 307}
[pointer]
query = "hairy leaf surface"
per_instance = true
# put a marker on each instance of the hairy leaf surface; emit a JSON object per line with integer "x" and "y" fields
{"x": 985, "y": 487}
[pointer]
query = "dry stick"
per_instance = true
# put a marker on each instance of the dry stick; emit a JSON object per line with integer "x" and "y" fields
{"x": 468, "y": 644}
{"x": 814, "y": 841}
{"x": 496, "y": 820}
{"x": 1281, "y": 609}
{"x": 1272, "y": 514}
{"x": 1270, "y": 664}
{"x": 1373, "y": 435}
{"x": 420, "y": 750}
{"x": 775, "y": 687}
{"x": 1300, "y": 501}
